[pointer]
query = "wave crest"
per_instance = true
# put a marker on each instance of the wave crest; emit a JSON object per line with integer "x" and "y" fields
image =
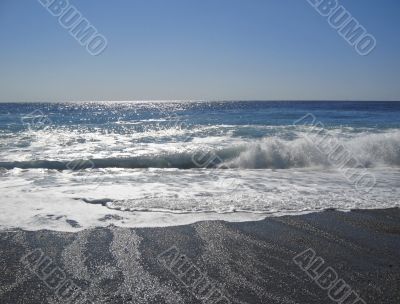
{"x": 307, "y": 150}
{"x": 369, "y": 150}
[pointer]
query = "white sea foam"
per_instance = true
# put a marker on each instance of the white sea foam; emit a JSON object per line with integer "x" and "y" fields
{"x": 371, "y": 150}
{"x": 290, "y": 149}
{"x": 69, "y": 201}
{"x": 138, "y": 179}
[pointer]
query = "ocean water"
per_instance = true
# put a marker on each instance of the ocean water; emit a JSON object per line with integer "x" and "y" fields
{"x": 68, "y": 166}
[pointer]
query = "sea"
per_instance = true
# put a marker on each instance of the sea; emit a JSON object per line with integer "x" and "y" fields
{"x": 71, "y": 166}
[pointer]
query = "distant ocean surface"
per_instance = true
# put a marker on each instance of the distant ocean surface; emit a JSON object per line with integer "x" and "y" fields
{"x": 67, "y": 166}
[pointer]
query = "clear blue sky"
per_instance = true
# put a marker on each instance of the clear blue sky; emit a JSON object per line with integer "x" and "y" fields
{"x": 198, "y": 49}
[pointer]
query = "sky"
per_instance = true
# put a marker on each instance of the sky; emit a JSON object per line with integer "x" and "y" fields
{"x": 198, "y": 50}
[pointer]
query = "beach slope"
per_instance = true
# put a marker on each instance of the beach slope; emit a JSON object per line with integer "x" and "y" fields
{"x": 277, "y": 260}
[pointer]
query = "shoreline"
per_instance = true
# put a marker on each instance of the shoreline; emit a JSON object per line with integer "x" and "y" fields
{"x": 245, "y": 262}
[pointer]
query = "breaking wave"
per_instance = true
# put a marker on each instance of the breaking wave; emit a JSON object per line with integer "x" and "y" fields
{"x": 370, "y": 150}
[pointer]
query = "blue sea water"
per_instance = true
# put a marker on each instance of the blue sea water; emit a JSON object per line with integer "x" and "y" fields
{"x": 107, "y": 115}
{"x": 190, "y": 157}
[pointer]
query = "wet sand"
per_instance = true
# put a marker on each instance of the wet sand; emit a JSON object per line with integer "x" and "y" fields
{"x": 209, "y": 262}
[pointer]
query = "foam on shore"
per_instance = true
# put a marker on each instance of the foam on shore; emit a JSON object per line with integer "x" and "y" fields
{"x": 37, "y": 199}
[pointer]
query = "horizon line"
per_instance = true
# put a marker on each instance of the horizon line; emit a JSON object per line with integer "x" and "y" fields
{"x": 204, "y": 100}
